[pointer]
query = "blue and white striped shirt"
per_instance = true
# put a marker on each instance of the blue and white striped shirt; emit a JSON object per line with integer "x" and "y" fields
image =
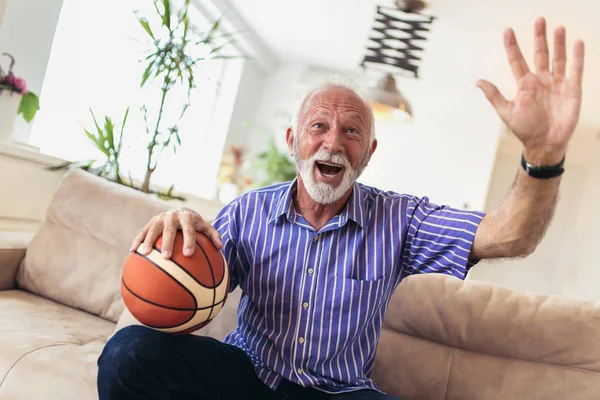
{"x": 313, "y": 302}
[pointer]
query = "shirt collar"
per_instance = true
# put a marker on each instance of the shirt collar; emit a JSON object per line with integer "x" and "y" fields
{"x": 355, "y": 210}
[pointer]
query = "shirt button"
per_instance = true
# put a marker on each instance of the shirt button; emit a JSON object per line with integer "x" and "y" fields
{"x": 301, "y": 340}
{"x": 311, "y": 271}
{"x": 316, "y": 238}
{"x": 305, "y": 305}
{"x": 300, "y": 372}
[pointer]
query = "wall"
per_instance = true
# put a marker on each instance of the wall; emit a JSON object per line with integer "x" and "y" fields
{"x": 26, "y": 32}
{"x": 430, "y": 156}
{"x": 565, "y": 262}
{"x": 3, "y": 4}
{"x": 243, "y": 128}
{"x": 448, "y": 150}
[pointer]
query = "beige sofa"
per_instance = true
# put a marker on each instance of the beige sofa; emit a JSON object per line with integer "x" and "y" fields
{"x": 443, "y": 338}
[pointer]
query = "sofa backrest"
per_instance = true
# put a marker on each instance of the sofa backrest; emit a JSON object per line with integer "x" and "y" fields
{"x": 76, "y": 257}
{"x": 445, "y": 339}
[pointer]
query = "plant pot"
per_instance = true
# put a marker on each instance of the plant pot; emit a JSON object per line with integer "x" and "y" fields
{"x": 9, "y": 107}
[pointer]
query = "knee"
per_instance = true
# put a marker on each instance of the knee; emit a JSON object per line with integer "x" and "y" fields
{"x": 127, "y": 348}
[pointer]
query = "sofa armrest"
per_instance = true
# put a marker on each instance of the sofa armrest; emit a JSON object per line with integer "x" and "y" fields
{"x": 13, "y": 246}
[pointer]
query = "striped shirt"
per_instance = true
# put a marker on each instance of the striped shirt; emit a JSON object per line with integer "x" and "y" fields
{"x": 313, "y": 302}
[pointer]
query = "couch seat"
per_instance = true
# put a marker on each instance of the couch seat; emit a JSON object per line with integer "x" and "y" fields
{"x": 48, "y": 351}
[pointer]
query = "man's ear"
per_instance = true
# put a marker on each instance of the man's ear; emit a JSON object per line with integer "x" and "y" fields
{"x": 289, "y": 138}
{"x": 373, "y": 147}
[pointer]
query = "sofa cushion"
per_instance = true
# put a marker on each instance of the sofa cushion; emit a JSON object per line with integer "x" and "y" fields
{"x": 57, "y": 372}
{"x": 77, "y": 256}
{"x": 448, "y": 339}
{"x": 39, "y": 336}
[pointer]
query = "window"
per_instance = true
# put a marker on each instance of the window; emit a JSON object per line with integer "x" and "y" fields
{"x": 94, "y": 64}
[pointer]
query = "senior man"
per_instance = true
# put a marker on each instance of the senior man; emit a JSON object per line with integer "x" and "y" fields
{"x": 318, "y": 258}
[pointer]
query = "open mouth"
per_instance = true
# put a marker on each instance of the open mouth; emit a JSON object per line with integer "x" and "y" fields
{"x": 329, "y": 169}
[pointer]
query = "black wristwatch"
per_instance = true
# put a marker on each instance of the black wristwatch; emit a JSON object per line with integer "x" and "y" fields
{"x": 549, "y": 172}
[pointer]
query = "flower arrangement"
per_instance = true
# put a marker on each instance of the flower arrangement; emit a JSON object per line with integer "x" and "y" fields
{"x": 30, "y": 103}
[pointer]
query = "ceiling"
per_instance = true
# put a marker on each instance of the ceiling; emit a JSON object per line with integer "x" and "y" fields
{"x": 324, "y": 33}
{"x": 333, "y": 34}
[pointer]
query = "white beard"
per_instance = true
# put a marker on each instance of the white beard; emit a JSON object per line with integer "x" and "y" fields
{"x": 324, "y": 193}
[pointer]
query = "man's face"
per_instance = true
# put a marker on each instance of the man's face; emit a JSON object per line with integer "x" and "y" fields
{"x": 333, "y": 143}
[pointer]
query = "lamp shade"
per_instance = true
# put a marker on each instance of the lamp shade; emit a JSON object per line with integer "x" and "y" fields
{"x": 387, "y": 101}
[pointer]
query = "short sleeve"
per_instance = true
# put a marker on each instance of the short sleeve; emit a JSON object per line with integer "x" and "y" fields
{"x": 439, "y": 239}
{"x": 226, "y": 225}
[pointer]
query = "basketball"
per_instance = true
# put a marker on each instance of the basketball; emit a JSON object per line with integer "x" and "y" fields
{"x": 179, "y": 295}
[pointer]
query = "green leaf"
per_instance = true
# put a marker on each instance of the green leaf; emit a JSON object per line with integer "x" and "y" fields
{"x": 217, "y": 49}
{"x": 98, "y": 142}
{"x": 29, "y": 106}
{"x": 146, "y": 25}
{"x": 213, "y": 30}
{"x": 109, "y": 128}
{"x": 186, "y": 21}
{"x": 100, "y": 133}
{"x": 166, "y": 18}
{"x": 122, "y": 129}
{"x": 147, "y": 73}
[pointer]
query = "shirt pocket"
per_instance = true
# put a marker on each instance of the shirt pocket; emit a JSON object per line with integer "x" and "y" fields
{"x": 363, "y": 285}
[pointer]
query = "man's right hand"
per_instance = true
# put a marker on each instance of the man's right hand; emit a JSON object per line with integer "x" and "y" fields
{"x": 167, "y": 224}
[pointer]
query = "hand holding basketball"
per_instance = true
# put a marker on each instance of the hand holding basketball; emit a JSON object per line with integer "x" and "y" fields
{"x": 167, "y": 224}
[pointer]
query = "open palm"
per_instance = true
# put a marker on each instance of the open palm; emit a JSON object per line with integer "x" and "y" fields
{"x": 547, "y": 105}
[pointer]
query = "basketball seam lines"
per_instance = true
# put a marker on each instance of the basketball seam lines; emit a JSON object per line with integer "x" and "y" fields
{"x": 212, "y": 273}
{"x": 186, "y": 271}
{"x": 162, "y": 306}
{"x": 172, "y": 277}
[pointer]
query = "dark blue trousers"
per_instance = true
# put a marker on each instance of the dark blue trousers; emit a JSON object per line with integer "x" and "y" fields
{"x": 139, "y": 363}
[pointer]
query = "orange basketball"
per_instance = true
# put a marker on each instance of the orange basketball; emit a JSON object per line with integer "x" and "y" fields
{"x": 179, "y": 295}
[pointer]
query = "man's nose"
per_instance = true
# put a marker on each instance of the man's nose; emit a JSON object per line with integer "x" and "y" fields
{"x": 333, "y": 141}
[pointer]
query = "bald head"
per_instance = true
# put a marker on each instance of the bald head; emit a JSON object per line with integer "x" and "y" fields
{"x": 344, "y": 88}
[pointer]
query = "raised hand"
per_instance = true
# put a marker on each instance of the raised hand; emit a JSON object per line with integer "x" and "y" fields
{"x": 547, "y": 105}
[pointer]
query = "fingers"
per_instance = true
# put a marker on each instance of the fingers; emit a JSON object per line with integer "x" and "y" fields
{"x": 171, "y": 224}
{"x": 167, "y": 224}
{"x": 211, "y": 232}
{"x": 189, "y": 232}
{"x": 139, "y": 238}
{"x": 154, "y": 231}
{"x": 576, "y": 74}
{"x": 502, "y": 106}
{"x": 542, "y": 58}
{"x": 515, "y": 56}
{"x": 559, "y": 63}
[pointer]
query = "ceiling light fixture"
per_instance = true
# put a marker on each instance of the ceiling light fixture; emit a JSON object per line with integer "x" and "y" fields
{"x": 387, "y": 101}
{"x": 396, "y": 37}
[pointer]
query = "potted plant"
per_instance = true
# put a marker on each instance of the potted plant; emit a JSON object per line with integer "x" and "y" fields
{"x": 15, "y": 99}
{"x": 276, "y": 165}
{"x": 171, "y": 60}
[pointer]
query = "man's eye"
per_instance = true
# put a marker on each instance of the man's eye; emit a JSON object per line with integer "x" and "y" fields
{"x": 318, "y": 125}
{"x": 352, "y": 130}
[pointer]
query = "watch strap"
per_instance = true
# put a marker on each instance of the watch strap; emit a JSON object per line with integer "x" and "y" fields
{"x": 546, "y": 172}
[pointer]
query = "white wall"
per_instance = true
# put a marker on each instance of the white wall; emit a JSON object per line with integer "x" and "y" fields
{"x": 3, "y": 4}
{"x": 26, "y": 32}
{"x": 446, "y": 153}
{"x": 251, "y": 85}
{"x": 566, "y": 261}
